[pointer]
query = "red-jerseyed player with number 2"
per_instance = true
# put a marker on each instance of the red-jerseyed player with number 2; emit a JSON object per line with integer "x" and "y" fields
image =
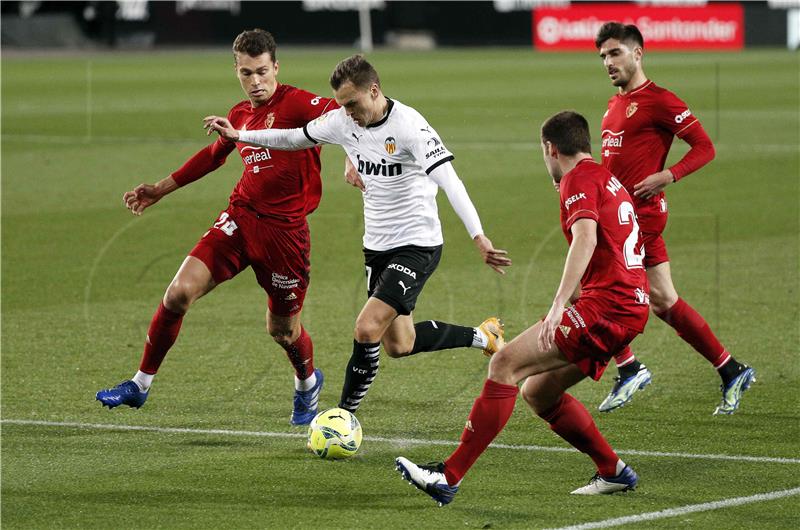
{"x": 264, "y": 226}
{"x": 599, "y": 222}
{"x": 637, "y": 132}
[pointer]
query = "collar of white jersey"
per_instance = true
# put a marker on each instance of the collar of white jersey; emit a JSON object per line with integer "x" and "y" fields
{"x": 389, "y": 107}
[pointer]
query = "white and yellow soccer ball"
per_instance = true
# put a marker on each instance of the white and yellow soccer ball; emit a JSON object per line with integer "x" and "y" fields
{"x": 334, "y": 434}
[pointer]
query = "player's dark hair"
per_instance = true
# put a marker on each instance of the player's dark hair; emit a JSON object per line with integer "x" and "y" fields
{"x": 569, "y": 132}
{"x": 627, "y": 33}
{"x": 356, "y": 70}
{"x": 254, "y": 42}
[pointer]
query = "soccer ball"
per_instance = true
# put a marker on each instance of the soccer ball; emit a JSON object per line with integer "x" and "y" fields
{"x": 334, "y": 433}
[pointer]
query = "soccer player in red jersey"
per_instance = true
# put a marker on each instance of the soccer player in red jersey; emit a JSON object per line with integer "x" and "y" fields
{"x": 263, "y": 227}
{"x": 637, "y": 132}
{"x": 598, "y": 220}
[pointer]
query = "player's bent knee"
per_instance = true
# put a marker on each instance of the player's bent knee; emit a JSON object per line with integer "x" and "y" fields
{"x": 661, "y": 302}
{"x": 366, "y": 331}
{"x": 501, "y": 368}
{"x": 283, "y": 339}
{"x": 179, "y": 297}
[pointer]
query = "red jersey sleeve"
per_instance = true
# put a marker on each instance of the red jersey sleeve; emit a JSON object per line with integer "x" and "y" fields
{"x": 672, "y": 113}
{"x": 204, "y": 161}
{"x": 701, "y": 153}
{"x": 580, "y": 198}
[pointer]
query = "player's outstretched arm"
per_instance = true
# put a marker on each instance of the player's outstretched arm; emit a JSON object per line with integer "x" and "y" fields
{"x": 280, "y": 139}
{"x": 584, "y": 240}
{"x": 221, "y": 126}
{"x": 445, "y": 176}
{"x": 145, "y": 195}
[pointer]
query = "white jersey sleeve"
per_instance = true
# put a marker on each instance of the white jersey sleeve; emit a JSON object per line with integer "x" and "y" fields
{"x": 279, "y": 139}
{"x": 426, "y": 146}
{"x": 327, "y": 129}
{"x": 445, "y": 176}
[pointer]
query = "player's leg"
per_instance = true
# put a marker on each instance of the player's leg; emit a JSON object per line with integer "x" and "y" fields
{"x": 546, "y": 395}
{"x": 289, "y": 334}
{"x": 217, "y": 257}
{"x": 192, "y": 281}
{"x": 693, "y": 328}
{"x": 362, "y": 368}
{"x": 401, "y": 284}
{"x": 404, "y": 338}
{"x": 634, "y": 375}
{"x": 518, "y": 359}
{"x": 281, "y": 261}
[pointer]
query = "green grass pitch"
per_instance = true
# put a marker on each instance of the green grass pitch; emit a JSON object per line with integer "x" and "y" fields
{"x": 81, "y": 278}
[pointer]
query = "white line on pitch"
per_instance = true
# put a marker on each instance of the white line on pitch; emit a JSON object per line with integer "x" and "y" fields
{"x": 396, "y": 441}
{"x": 682, "y": 510}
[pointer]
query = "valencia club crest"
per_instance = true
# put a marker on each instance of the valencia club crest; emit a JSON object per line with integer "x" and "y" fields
{"x": 390, "y": 145}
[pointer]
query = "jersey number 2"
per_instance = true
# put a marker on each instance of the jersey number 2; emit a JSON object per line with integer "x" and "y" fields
{"x": 633, "y": 259}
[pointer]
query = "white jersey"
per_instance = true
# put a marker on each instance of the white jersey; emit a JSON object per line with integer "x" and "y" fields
{"x": 394, "y": 157}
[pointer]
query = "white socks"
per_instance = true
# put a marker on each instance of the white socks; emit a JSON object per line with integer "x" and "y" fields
{"x": 143, "y": 380}
{"x": 307, "y": 384}
{"x": 479, "y": 339}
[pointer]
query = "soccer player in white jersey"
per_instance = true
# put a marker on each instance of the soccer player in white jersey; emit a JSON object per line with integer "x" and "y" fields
{"x": 401, "y": 162}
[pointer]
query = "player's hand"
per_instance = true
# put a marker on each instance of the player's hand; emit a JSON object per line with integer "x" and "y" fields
{"x": 351, "y": 176}
{"x": 221, "y": 126}
{"x": 547, "y": 333}
{"x": 493, "y": 257}
{"x": 141, "y": 197}
{"x": 653, "y": 184}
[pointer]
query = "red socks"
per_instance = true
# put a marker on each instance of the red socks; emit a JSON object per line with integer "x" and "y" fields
{"x": 570, "y": 420}
{"x": 693, "y": 328}
{"x": 301, "y": 355}
{"x": 489, "y": 415}
{"x": 161, "y": 336}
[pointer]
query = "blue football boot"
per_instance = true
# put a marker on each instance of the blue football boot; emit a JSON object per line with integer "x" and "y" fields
{"x": 599, "y": 485}
{"x": 305, "y": 402}
{"x": 623, "y": 389}
{"x": 125, "y": 393}
{"x": 732, "y": 392}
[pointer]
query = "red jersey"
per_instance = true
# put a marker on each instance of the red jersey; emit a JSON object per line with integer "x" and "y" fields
{"x": 615, "y": 278}
{"x": 282, "y": 185}
{"x": 637, "y": 132}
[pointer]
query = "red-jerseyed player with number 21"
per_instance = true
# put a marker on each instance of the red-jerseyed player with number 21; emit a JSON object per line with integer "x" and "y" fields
{"x": 637, "y": 132}
{"x": 599, "y": 221}
{"x": 263, "y": 227}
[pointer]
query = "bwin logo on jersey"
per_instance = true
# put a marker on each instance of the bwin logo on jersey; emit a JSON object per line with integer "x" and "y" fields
{"x": 365, "y": 167}
{"x": 390, "y": 144}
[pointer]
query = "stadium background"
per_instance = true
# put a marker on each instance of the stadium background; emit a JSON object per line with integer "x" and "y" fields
{"x": 99, "y": 96}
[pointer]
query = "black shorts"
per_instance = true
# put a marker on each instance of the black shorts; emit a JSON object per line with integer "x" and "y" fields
{"x": 397, "y": 276}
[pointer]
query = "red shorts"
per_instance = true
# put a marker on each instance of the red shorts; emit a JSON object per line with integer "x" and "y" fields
{"x": 280, "y": 256}
{"x": 652, "y": 217}
{"x": 588, "y": 340}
